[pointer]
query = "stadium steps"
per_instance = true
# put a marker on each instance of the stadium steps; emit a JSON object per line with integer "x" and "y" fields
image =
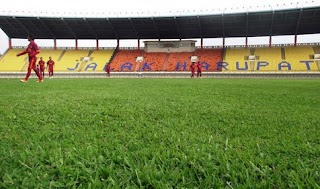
{"x": 195, "y": 52}
{"x": 82, "y": 65}
{"x": 316, "y": 50}
{"x": 283, "y": 54}
{"x": 252, "y": 50}
{"x": 62, "y": 54}
{"x": 100, "y": 58}
{"x": 25, "y": 67}
{"x": 138, "y": 65}
{"x": 113, "y": 55}
{"x": 90, "y": 53}
{"x": 224, "y": 54}
{"x": 166, "y": 62}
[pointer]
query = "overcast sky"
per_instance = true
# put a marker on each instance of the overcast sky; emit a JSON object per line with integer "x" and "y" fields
{"x": 134, "y": 8}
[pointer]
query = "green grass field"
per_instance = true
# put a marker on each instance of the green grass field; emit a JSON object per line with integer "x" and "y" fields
{"x": 160, "y": 133}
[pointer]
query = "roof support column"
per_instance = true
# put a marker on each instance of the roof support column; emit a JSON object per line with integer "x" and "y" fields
{"x": 55, "y": 44}
{"x": 118, "y": 43}
{"x": 97, "y": 44}
{"x": 246, "y": 42}
{"x": 270, "y": 41}
{"x": 10, "y": 43}
{"x": 201, "y": 43}
{"x": 247, "y": 25}
{"x": 76, "y": 44}
{"x": 139, "y": 44}
{"x": 298, "y": 28}
{"x": 223, "y": 42}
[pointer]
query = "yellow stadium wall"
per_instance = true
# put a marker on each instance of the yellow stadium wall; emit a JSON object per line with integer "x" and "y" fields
{"x": 68, "y": 63}
{"x": 270, "y": 59}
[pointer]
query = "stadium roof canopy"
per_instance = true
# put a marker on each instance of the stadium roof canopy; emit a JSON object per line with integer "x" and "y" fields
{"x": 268, "y": 23}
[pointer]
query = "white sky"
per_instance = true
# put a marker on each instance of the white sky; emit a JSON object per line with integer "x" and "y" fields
{"x": 138, "y": 8}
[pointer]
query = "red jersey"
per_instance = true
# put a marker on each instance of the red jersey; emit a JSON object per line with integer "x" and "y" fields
{"x": 199, "y": 67}
{"x": 108, "y": 67}
{"x": 32, "y": 50}
{"x": 50, "y": 64}
{"x": 193, "y": 67}
{"x": 41, "y": 63}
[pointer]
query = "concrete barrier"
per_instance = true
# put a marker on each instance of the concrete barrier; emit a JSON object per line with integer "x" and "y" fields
{"x": 168, "y": 75}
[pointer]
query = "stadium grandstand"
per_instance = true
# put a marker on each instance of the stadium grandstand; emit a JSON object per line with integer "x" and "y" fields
{"x": 223, "y": 94}
{"x": 170, "y": 53}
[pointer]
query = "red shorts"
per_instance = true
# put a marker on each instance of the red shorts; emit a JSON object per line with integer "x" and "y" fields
{"x": 50, "y": 69}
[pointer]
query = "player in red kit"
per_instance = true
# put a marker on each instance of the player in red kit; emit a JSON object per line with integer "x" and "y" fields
{"x": 193, "y": 68}
{"x": 108, "y": 69}
{"x": 199, "y": 70}
{"x": 32, "y": 51}
{"x": 50, "y": 65}
{"x": 41, "y": 63}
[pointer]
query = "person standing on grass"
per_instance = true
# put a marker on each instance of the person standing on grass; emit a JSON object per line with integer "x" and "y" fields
{"x": 41, "y": 63}
{"x": 199, "y": 70}
{"x": 193, "y": 68}
{"x": 108, "y": 69}
{"x": 50, "y": 65}
{"x": 32, "y": 51}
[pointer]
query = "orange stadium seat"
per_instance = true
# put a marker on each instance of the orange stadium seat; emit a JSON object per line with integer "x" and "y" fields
{"x": 179, "y": 61}
{"x": 125, "y": 60}
{"x": 211, "y": 57}
{"x": 155, "y": 61}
